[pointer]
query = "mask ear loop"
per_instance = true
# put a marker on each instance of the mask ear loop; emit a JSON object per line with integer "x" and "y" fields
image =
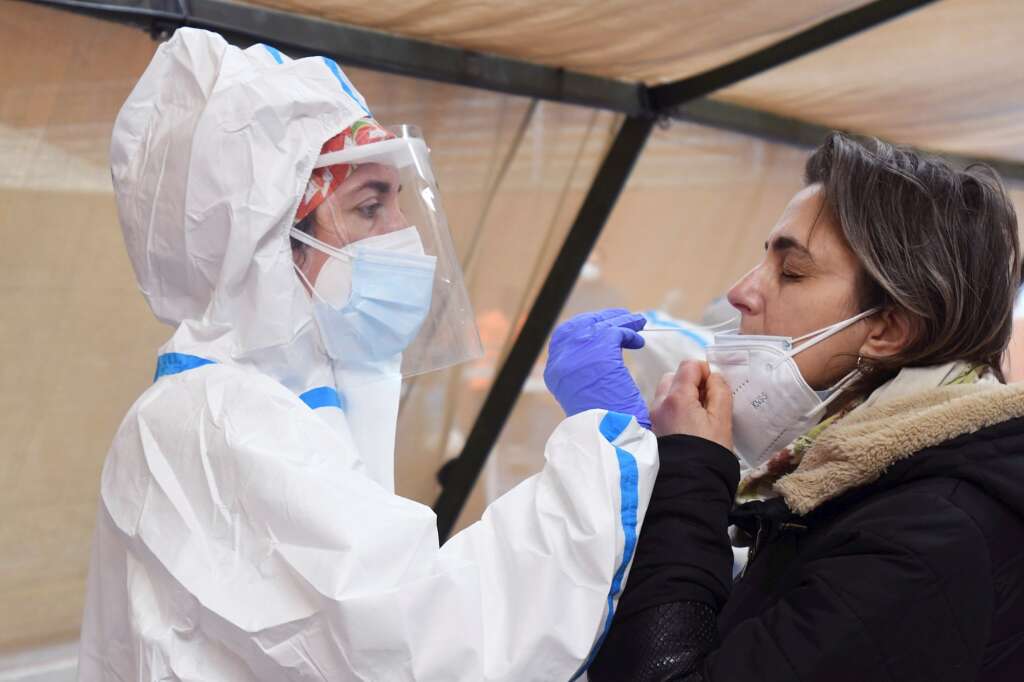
{"x": 309, "y": 285}
{"x": 322, "y": 247}
{"x": 836, "y": 391}
{"x": 817, "y": 337}
{"x": 326, "y": 249}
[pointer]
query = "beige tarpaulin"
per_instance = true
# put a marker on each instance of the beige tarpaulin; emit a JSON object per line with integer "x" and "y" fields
{"x": 80, "y": 343}
{"x": 949, "y": 76}
{"x": 653, "y": 41}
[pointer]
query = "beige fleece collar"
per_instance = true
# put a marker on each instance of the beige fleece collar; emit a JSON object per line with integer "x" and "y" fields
{"x": 859, "y": 448}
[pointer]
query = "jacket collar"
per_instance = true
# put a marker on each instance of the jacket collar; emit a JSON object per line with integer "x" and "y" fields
{"x": 861, "y": 447}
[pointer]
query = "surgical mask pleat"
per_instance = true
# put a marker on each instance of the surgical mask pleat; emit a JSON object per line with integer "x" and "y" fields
{"x": 389, "y": 296}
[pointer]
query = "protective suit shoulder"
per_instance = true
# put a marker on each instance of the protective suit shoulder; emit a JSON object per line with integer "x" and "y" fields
{"x": 245, "y": 528}
{"x": 235, "y": 542}
{"x": 216, "y": 413}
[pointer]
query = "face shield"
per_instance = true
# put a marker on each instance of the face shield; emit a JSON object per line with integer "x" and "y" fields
{"x": 372, "y": 246}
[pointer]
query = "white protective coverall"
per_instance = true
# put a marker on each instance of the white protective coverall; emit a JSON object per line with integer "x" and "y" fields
{"x": 241, "y": 533}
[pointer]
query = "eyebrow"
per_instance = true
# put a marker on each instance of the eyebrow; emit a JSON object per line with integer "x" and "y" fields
{"x": 378, "y": 186}
{"x": 781, "y": 244}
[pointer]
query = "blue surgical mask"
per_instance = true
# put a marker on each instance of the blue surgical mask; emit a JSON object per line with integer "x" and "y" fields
{"x": 384, "y": 304}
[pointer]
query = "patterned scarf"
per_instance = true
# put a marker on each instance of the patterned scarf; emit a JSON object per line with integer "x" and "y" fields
{"x": 757, "y": 483}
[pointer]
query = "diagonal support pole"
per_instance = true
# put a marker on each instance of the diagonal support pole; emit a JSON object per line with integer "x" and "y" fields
{"x": 461, "y": 474}
{"x": 664, "y": 98}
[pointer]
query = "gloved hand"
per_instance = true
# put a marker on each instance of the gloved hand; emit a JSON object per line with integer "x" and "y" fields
{"x": 585, "y": 368}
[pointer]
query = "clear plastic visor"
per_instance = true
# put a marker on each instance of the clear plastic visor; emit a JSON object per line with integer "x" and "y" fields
{"x": 389, "y": 189}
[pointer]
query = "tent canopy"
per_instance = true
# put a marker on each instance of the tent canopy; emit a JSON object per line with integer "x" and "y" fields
{"x": 946, "y": 77}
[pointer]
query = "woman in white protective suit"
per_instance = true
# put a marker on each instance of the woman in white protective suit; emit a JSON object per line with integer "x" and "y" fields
{"x": 248, "y": 528}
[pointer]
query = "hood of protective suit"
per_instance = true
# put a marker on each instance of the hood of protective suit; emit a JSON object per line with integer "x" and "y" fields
{"x": 210, "y": 157}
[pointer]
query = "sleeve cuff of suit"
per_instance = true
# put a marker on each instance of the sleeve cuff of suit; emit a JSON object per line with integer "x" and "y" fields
{"x": 683, "y": 553}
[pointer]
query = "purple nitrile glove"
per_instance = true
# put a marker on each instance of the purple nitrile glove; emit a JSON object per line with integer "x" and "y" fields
{"x": 585, "y": 369}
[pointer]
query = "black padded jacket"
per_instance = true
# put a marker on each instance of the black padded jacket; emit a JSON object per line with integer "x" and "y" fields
{"x": 918, "y": 576}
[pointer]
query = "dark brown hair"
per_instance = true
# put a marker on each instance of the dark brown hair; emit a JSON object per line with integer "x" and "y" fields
{"x": 937, "y": 242}
{"x": 299, "y": 250}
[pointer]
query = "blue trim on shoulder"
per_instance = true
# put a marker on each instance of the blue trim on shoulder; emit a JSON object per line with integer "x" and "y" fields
{"x": 176, "y": 363}
{"x": 345, "y": 85}
{"x": 611, "y": 428}
{"x": 654, "y": 317}
{"x": 613, "y": 424}
{"x": 322, "y": 396}
{"x": 274, "y": 52}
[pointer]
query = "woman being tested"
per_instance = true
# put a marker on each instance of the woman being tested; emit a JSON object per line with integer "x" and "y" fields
{"x": 883, "y": 506}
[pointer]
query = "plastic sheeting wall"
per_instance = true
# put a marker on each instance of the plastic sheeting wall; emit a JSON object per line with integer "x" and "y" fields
{"x": 76, "y": 337}
{"x": 512, "y": 174}
{"x": 692, "y": 220}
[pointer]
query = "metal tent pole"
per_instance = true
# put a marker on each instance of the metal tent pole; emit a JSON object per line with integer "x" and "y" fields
{"x": 301, "y": 35}
{"x": 461, "y": 473}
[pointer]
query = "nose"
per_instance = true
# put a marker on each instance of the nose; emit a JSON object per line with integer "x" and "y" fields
{"x": 394, "y": 220}
{"x": 746, "y": 294}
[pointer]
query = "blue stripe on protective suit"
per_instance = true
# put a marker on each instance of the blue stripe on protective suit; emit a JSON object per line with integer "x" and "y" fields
{"x": 322, "y": 396}
{"x": 175, "y": 363}
{"x": 659, "y": 320}
{"x": 275, "y": 53}
{"x": 611, "y": 428}
{"x": 345, "y": 85}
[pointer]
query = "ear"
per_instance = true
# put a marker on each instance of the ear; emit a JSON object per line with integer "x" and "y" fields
{"x": 889, "y": 331}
